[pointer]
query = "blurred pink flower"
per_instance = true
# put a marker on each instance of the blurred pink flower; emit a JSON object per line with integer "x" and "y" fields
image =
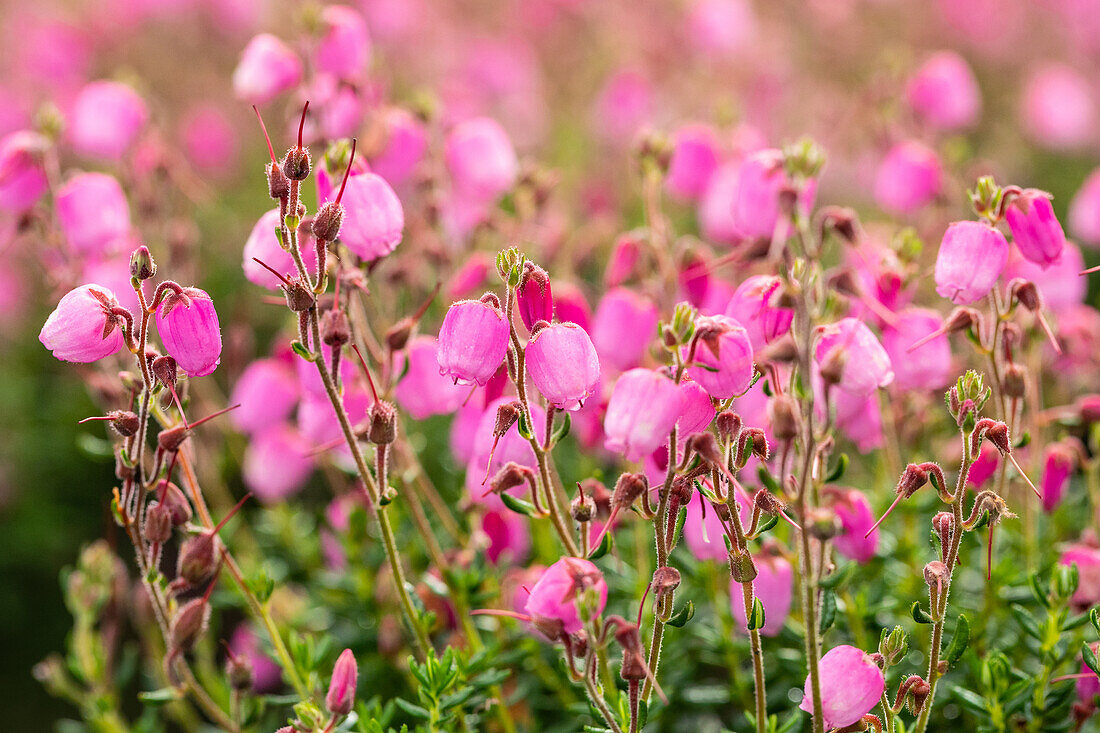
{"x": 1058, "y": 108}
{"x": 267, "y": 68}
{"x": 106, "y": 119}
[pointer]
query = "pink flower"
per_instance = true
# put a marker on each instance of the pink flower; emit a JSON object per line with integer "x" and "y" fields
{"x": 972, "y": 256}
{"x": 481, "y": 159}
{"x": 693, "y": 162}
{"x": 106, "y": 119}
{"x": 263, "y": 245}
{"x": 722, "y": 363}
{"x": 1060, "y": 283}
{"x": 188, "y": 327}
{"x": 341, "y": 688}
{"x": 345, "y": 48}
{"x": 982, "y": 469}
{"x": 623, "y": 327}
{"x": 267, "y": 392}
{"x": 721, "y": 27}
{"x": 472, "y": 341}
{"x": 715, "y": 214}
{"x": 1084, "y": 211}
{"x": 373, "y": 217}
{"x": 1088, "y": 687}
{"x": 752, "y": 306}
{"x": 268, "y": 67}
{"x": 553, "y": 598}
{"x": 865, "y": 364}
{"x": 762, "y": 180}
{"x": 644, "y": 407}
{"x": 908, "y": 179}
{"x": 209, "y": 140}
{"x": 773, "y": 585}
{"x": 851, "y": 685}
{"x": 1087, "y": 560}
{"x": 81, "y": 328}
{"x": 267, "y": 675}
{"x": 1059, "y": 463}
{"x": 423, "y": 391}
{"x": 703, "y": 534}
{"x": 562, "y": 363}
{"x": 1035, "y": 229}
{"x": 854, "y": 511}
{"x": 93, "y": 213}
{"x": 623, "y": 106}
{"x": 405, "y": 146}
{"x": 534, "y": 296}
{"x": 22, "y": 178}
{"x": 926, "y": 367}
{"x": 276, "y": 463}
{"x": 571, "y": 305}
{"x": 859, "y": 419}
{"x": 509, "y": 537}
{"x": 1058, "y": 108}
{"x": 944, "y": 93}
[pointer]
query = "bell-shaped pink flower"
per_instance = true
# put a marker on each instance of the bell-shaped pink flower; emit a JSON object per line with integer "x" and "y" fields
{"x": 696, "y": 413}
{"x": 762, "y": 180}
{"x": 22, "y": 177}
{"x": 1059, "y": 111}
{"x": 534, "y": 296}
{"x": 715, "y": 212}
{"x": 851, "y": 685}
{"x": 268, "y": 67}
{"x": 423, "y": 391}
{"x": 972, "y": 256}
{"x": 277, "y": 463}
{"x": 1036, "y": 231}
{"x": 983, "y": 468}
{"x": 623, "y": 106}
{"x": 1062, "y": 287}
{"x": 405, "y": 146}
{"x": 721, "y": 28}
{"x": 856, "y": 518}
{"x": 81, "y": 328}
{"x": 188, "y": 327}
{"x": 509, "y": 537}
{"x": 473, "y": 341}
{"x": 644, "y": 407}
{"x": 1087, "y": 560}
{"x": 695, "y": 157}
{"x": 908, "y": 178}
{"x": 209, "y": 140}
{"x": 553, "y": 598}
{"x": 624, "y": 326}
{"x": 93, "y": 213}
{"x": 341, "y": 688}
{"x": 263, "y": 245}
{"x": 864, "y": 364}
{"x": 373, "y": 217}
{"x": 773, "y": 585}
{"x": 344, "y": 49}
{"x": 571, "y": 305}
{"x": 481, "y": 159}
{"x": 267, "y": 392}
{"x": 1084, "y": 211}
{"x": 929, "y": 365}
{"x": 859, "y": 419}
{"x": 562, "y": 363}
{"x": 944, "y": 93}
{"x": 106, "y": 119}
{"x": 1059, "y": 463}
{"x": 722, "y": 363}
{"x": 752, "y": 305}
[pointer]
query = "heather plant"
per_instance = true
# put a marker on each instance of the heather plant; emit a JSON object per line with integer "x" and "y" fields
{"x": 718, "y": 451}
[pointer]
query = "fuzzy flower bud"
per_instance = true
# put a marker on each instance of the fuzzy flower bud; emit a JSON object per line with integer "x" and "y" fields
{"x": 1035, "y": 229}
{"x": 534, "y": 298}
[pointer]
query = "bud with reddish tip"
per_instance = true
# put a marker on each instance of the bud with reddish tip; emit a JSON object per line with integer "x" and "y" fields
{"x": 643, "y": 409}
{"x": 1036, "y": 231}
{"x": 972, "y": 256}
{"x": 534, "y": 298}
{"x": 341, "y": 689}
{"x": 473, "y": 341}
{"x": 188, "y": 325}
{"x": 563, "y": 364}
{"x": 189, "y": 624}
{"x": 142, "y": 266}
{"x": 158, "y": 523}
{"x": 851, "y": 685}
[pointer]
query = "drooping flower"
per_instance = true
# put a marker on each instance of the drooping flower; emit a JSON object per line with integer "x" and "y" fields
{"x": 753, "y": 306}
{"x": 22, "y": 177}
{"x": 106, "y": 118}
{"x": 373, "y": 217}
{"x": 908, "y": 178}
{"x": 563, "y": 364}
{"x": 81, "y": 328}
{"x": 1036, "y": 231}
{"x": 481, "y": 159}
{"x": 944, "y": 93}
{"x": 851, "y": 685}
{"x": 864, "y": 365}
{"x": 188, "y": 327}
{"x": 1060, "y": 283}
{"x": 1059, "y": 111}
{"x": 1087, "y": 560}
{"x": 1084, "y": 211}
{"x": 1059, "y": 463}
{"x": 423, "y": 391}
{"x": 644, "y": 407}
{"x": 268, "y": 67}
{"x": 722, "y": 363}
{"x": 761, "y": 181}
{"x": 553, "y": 598}
{"x": 266, "y": 391}
{"x": 472, "y": 341}
{"x": 263, "y": 245}
{"x": 345, "y": 47}
{"x": 929, "y": 365}
{"x": 694, "y": 160}
{"x": 624, "y": 325}
{"x": 972, "y": 256}
{"x": 856, "y": 518}
{"x": 509, "y": 536}
{"x": 93, "y": 213}
{"x": 404, "y": 148}
{"x": 277, "y": 463}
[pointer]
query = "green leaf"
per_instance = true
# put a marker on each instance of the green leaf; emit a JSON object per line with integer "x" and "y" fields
{"x": 165, "y": 695}
{"x": 604, "y": 547}
{"x": 681, "y": 617}
{"x": 828, "y": 610}
{"x": 412, "y": 709}
{"x": 767, "y": 479}
{"x": 561, "y": 429}
{"x": 524, "y": 428}
{"x": 681, "y": 516}
{"x": 518, "y": 505}
{"x": 959, "y": 641}
{"x": 299, "y": 348}
{"x": 757, "y": 619}
{"x": 1037, "y": 589}
{"x": 1094, "y": 618}
{"x": 919, "y": 614}
{"x": 1027, "y": 621}
{"x": 771, "y": 521}
{"x": 838, "y": 470}
{"x": 1089, "y": 657}
{"x": 837, "y": 578}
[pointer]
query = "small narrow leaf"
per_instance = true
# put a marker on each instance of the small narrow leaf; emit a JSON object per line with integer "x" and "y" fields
{"x": 518, "y": 505}
{"x": 681, "y": 617}
{"x": 837, "y": 578}
{"x": 838, "y": 470}
{"x": 959, "y": 641}
{"x": 919, "y": 614}
{"x": 1089, "y": 656}
{"x": 756, "y": 620}
{"x": 603, "y": 548}
{"x": 828, "y": 610}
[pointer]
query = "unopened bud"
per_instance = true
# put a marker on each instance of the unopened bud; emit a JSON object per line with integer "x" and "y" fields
{"x": 296, "y": 164}
{"x": 534, "y": 298}
{"x": 628, "y": 489}
{"x": 189, "y": 624}
{"x": 142, "y": 266}
{"x": 164, "y": 369}
{"x": 341, "y": 689}
{"x": 124, "y": 422}
{"x": 299, "y": 296}
{"x": 665, "y": 580}
{"x": 912, "y": 478}
{"x": 335, "y": 331}
{"x": 507, "y": 415}
{"x": 509, "y": 476}
{"x": 240, "y": 673}
{"x": 943, "y": 525}
{"x": 383, "y": 423}
{"x": 822, "y": 523}
{"x": 198, "y": 558}
{"x": 784, "y": 416}
{"x": 894, "y": 645}
{"x": 936, "y": 574}
{"x": 741, "y": 566}
{"x": 728, "y": 424}
{"x": 1015, "y": 381}
{"x": 832, "y": 366}
{"x": 278, "y": 185}
{"x": 398, "y": 335}
{"x": 158, "y": 523}
{"x": 583, "y": 508}
{"x": 328, "y": 221}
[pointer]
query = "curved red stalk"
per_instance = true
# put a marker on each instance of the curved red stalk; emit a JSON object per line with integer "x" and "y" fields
{"x": 424, "y": 306}
{"x": 641, "y": 606}
{"x": 234, "y": 510}
{"x": 498, "y": 612}
{"x": 213, "y": 415}
{"x": 267, "y": 138}
{"x": 489, "y": 463}
{"x": 363, "y": 363}
{"x": 884, "y": 516}
{"x": 167, "y": 477}
{"x": 302, "y": 124}
{"x": 1090, "y": 270}
{"x": 922, "y": 341}
{"x": 272, "y": 270}
{"x": 1012, "y": 458}
{"x": 606, "y": 526}
{"x": 103, "y": 418}
{"x": 347, "y": 171}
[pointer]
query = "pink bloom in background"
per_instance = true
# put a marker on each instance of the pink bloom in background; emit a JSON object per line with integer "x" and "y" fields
{"x": 263, "y": 245}
{"x": 704, "y": 536}
{"x": 22, "y": 177}
{"x": 715, "y": 214}
{"x": 93, "y": 213}
{"x": 723, "y": 364}
{"x": 509, "y": 537}
{"x": 908, "y": 178}
{"x": 866, "y": 365}
{"x": 851, "y": 686}
{"x": 984, "y": 467}
{"x": 512, "y": 447}
{"x": 80, "y": 328}
{"x": 106, "y": 119}
{"x": 188, "y": 328}
{"x": 1058, "y": 107}
{"x": 267, "y": 392}
{"x": 1084, "y": 211}
{"x": 345, "y": 48}
{"x": 1059, "y": 463}
{"x": 722, "y": 27}
{"x": 624, "y": 326}
{"x": 113, "y": 273}
{"x": 859, "y": 419}
{"x": 267, "y": 675}
{"x": 623, "y": 106}
{"x": 341, "y": 688}
{"x": 1060, "y": 283}
{"x": 209, "y": 140}
{"x": 1087, "y": 560}
{"x": 623, "y": 259}
{"x": 644, "y": 407}
{"x": 695, "y": 157}
{"x": 268, "y": 67}
{"x": 752, "y": 305}
{"x": 405, "y": 145}
{"x": 472, "y": 341}
{"x": 571, "y": 306}
{"x": 972, "y": 256}
{"x": 562, "y": 363}
{"x": 1036, "y": 232}
{"x": 277, "y": 463}
{"x": 773, "y": 585}
{"x": 373, "y": 217}
{"x": 423, "y": 391}
{"x": 762, "y": 179}
{"x": 481, "y": 159}
{"x": 856, "y": 518}
{"x": 944, "y": 93}
{"x": 926, "y": 367}
{"x": 554, "y": 597}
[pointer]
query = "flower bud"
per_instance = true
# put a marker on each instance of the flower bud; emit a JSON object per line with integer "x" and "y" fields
{"x": 822, "y": 523}
{"x": 583, "y": 508}
{"x": 124, "y": 422}
{"x": 1035, "y": 229}
{"x": 158, "y": 523}
{"x": 341, "y": 690}
{"x": 164, "y": 370}
{"x": 296, "y": 164}
{"x": 665, "y": 580}
{"x": 628, "y": 489}
{"x": 189, "y": 624}
{"x": 198, "y": 558}
{"x": 1015, "y": 380}
{"x": 785, "y": 417}
{"x": 240, "y": 673}
{"x": 142, "y": 266}
{"x": 894, "y": 645}
{"x": 936, "y": 574}
{"x": 533, "y": 295}
{"x": 278, "y": 185}
{"x": 509, "y": 476}
{"x": 742, "y": 568}
{"x": 326, "y": 225}
{"x": 728, "y": 424}
{"x": 383, "y": 423}
{"x": 943, "y": 525}
{"x": 335, "y": 331}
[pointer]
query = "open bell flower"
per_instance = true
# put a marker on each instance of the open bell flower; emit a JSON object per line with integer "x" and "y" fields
{"x": 106, "y": 119}
{"x": 81, "y": 328}
{"x": 188, "y": 327}
{"x": 554, "y": 597}
{"x": 851, "y": 685}
{"x": 1036, "y": 231}
{"x": 373, "y": 217}
{"x": 563, "y": 364}
{"x": 644, "y": 407}
{"x": 972, "y": 256}
{"x": 722, "y": 363}
{"x": 268, "y": 67}
{"x": 472, "y": 341}
{"x": 863, "y": 363}
{"x": 93, "y": 213}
